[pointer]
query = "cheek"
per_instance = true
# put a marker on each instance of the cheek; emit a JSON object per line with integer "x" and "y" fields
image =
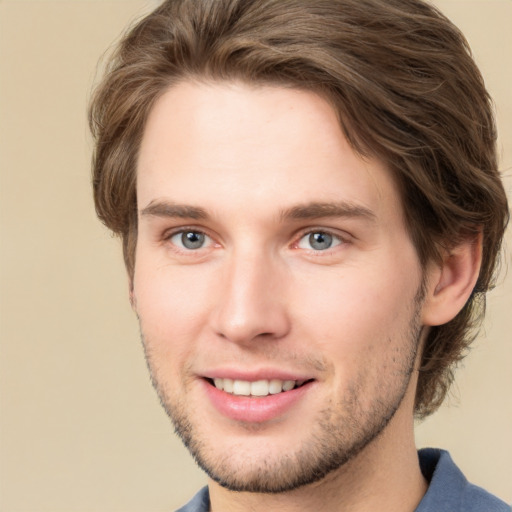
{"x": 172, "y": 305}
{"x": 358, "y": 316}
{"x": 356, "y": 300}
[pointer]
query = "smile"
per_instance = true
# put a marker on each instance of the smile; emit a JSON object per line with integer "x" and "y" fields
{"x": 256, "y": 388}
{"x": 256, "y": 399}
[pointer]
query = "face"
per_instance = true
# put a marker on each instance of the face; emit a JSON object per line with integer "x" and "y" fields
{"x": 275, "y": 283}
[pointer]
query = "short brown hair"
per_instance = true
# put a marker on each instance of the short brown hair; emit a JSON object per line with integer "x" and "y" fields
{"x": 406, "y": 89}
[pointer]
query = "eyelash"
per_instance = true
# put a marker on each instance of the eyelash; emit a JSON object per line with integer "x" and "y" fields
{"x": 336, "y": 237}
{"x": 181, "y": 231}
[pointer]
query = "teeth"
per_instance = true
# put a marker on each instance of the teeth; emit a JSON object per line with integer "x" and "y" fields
{"x": 241, "y": 387}
{"x": 275, "y": 386}
{"x": 228, "y": 385}
{"x": 288, "y": 385}
{"x": 257, "y": 388}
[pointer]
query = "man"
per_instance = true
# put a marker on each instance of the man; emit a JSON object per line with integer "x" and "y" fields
{"x": 311, "y": 212}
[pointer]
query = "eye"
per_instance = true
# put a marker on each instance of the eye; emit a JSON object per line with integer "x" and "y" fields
{"x": 190, "y": 240}
{"x": 319, "y": 241}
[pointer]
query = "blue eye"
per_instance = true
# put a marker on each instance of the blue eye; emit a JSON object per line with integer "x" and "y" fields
{"x": 318, "y": 241}
{"x": 190, "y": 240}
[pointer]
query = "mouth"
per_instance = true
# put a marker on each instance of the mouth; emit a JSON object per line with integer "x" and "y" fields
{"x": 255, "y": 399}
{"x": 258, "y": 388}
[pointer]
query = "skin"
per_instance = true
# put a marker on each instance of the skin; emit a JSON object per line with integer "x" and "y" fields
{"x": 243, "y": 166}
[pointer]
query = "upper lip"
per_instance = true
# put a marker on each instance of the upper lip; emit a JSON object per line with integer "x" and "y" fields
{"x": 255, "y": 375}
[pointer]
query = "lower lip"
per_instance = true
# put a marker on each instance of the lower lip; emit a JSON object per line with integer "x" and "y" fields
{"x": 255, "y": 409}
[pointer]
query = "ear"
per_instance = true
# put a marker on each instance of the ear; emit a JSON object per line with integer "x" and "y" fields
{"x": 450, "y": 283}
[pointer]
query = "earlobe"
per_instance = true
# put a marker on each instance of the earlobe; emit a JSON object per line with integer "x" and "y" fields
{"x": 451, "y": 283}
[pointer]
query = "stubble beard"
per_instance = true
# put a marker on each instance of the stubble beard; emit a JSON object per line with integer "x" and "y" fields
{"x": 342, "y": 431}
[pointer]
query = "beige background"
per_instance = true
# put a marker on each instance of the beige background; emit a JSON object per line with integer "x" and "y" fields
{"x": 81, "y": 428}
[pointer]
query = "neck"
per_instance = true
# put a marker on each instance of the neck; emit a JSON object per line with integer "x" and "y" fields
{"x": 385, "y": 476}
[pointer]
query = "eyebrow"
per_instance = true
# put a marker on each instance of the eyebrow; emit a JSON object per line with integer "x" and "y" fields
{"x": 170, "y": 209}
{"x": 322, "y": 210}
{"x": 314, "y": 210}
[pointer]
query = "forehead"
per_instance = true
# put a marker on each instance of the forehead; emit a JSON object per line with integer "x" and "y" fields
{"x": 235, "y": 146}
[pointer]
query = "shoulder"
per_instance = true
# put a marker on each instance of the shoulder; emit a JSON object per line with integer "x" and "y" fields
{"x": 199, "y": 503}
{"x": 449, "y": 491}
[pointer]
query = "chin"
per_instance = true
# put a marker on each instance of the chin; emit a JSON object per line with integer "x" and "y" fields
{"x": 266, "y": 463}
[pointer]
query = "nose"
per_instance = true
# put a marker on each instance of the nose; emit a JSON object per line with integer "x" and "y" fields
{"x": 252, "y": 302}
